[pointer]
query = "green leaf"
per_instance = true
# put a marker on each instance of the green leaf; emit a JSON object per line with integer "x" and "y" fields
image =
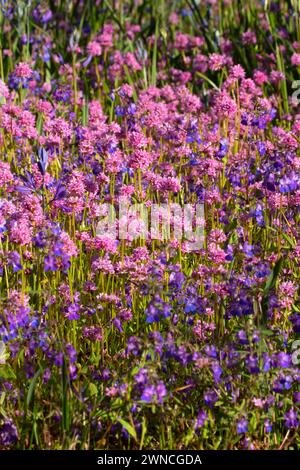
{"x": 32, "y": 386}
{"x": 268, "y": 287}
{"x": 7, "y": 372}
{"x": 144, "y": 431}
{"x": 289, "y": 240}
{"x": 2, "y": 398}
{"x": 273, "y": 276}
{"x": 129, "y": 428}
{"x": 266, "y": 332}
{"x": 131, "y": 83}
{"x": 189, "y": 436}
{"x": 85, "y": 112}
{"x": 208, "y": 80}
{"x": 154, "y": 56}
{"x": 93, "y": 389}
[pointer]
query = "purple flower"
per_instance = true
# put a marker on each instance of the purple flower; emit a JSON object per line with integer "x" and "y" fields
{"x": 268, "y": 426}
{"x": 210, "y": 398}
{"x": 242, "y": 426}
{"x": 46, "y": 375}
{"x": 217, "y": 372}
{"x": 14, "y": 260}
{"x": 118, "y": 324}
{"x": 60, "y": 192}
{"x": 46, "y": 17}
{"x": 259, "y": 215}
{"x": 157, "y": 310}
{"x": 50, "y": 263}
{"x": 133, "y": 346}
{"x": 58, "y": 249}
{"x": 291, "y": 419}
{"x": 261, "y": 147}
{"x": 58, "y": 359}
{"x": 71, "y": 351}
{"x": 152, "y": 393}
{"x": 131, "y": 108}
{"x": 267, "y": 362}
{"x": 201, "y": 419}
{"x": 296, "y": 397}
{"x": 282, "y": 383}
{"x": 148, "y": 393}
{"x": 72, "y": 371}
{"x": 288, "y": 184}
{"x": 161, "y": 391}
{"x": 190, "y": 306}
{"x": 252, "y": 364}
{"x": 142, "y": 376}
{"x": 72, "y": 312}
{"x": 8, "y": 433}
{"x": 283, "y": 360}
{"x": 242, "y": 337}
{"x": 105, "y": 374}
{"x": 295, "y": 320}
{"x": 211, "y": 351}
{"x": 42, "y": 160}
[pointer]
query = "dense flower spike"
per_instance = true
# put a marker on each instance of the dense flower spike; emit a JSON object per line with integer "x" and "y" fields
{"x": 113, "y": 114}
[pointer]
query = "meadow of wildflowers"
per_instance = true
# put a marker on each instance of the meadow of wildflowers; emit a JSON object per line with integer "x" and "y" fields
{"x": 109, "y": 342}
